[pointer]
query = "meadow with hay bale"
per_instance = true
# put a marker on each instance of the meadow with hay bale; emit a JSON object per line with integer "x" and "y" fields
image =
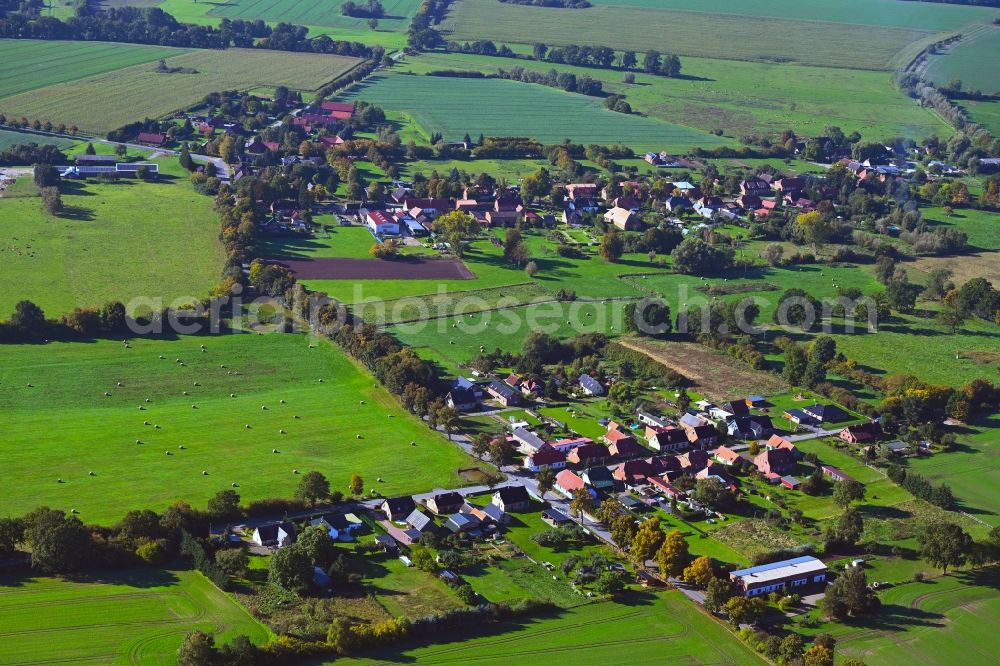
{"x": 58, "y": 423}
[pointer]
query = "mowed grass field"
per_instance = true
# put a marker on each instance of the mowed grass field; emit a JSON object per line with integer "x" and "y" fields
{"x": 139, "y": 617}
{"x": 938, "y": 621}
{"x": 973, "y": 61}
{"x": 64, "y": 427}
{"x": 456, "y": 106}
{"x": 986, "y": 114}
{"x": 105, "y": 101}
{"x": 30, "y": 64}
{"x": 114, "y": 241}
{"x": 648, "y": 628}
{"x": 728, "y": 95}
{"x": 11, "y": 138}
{"x": 710, "y": 35}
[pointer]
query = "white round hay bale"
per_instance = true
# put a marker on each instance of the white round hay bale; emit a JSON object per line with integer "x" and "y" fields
{"x": 138, "y": 441}
{"x": 162, "y": 356}
{"x": 204, "y": 472}
{"x": 232, "y": 395}
{"x": 362, "y": 402}
{"x": 295, "y": 471}
{"x": 148, "y": 400}
{"x": 156, "y": 427}
{"x": 169, "y": 453}
{"x": 320, "y": 381}
{"x": 247, "y": 426}
{"x": 197, "y": 384}
{"x": 412, "y": 443}
{"x": 92, "y": 473}
{"x": 282, "y": 401}
{"x": 282, "y": 432}
{"x": 274, "y": 450}
{"x": 194, "y": 406}
{"x": 107, "y": 394}
{"x": 185, "y": 393}
{"x": 59, "y": 481}
{"x": 296, "y": 417}
{"x": 120, "y": 384}
{"x": 141, "y": 408}
{"x": 181, "y": 447}
{"x": 263, "y": 408}
{"x": 235, "y": 485}
{"x": 358, "y": 436}
{"x": 146, "y": 423}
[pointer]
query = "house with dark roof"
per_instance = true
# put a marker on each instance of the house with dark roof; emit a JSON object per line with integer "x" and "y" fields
{"x": 625, "y": 447}
{"x": 599, "y": 478}
{"x": 799, "y": 417}
{"x": 504, "y": 393}
{"x": 462, "y": 399}
{"x": 459, "y": 523}
{"x": 445, "y": 503}
{"x": 670, "y": 439}
{"x": 276, "y": 535}
{"x": 398, "y": 508}
{"x": 836, "y": 473}
{"x": 633, "y": 472}
{"x": 750, "y": 427}
{"x": 591, "y": 386}
{"x": 693, "y": 461}
{"x": 779, "y": 442}
{"x": 702, "y": 435}
{"x": 512, "y": 498}
{"x": 827, "y": 413}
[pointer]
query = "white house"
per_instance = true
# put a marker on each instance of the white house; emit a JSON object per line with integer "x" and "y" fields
{"x": 380, "y": 223}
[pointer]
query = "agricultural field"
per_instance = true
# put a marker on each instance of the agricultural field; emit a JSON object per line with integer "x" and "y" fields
{"x": 31, "y": 64}
{"x": 710, "y": 35}
{"x": 727, "y": 95}
{"x": 224, "y": 411}
{"x": 970, "y": 61}
{"x": 320, "y": 18}
{"x": 113, "y": 241}
{"x": 986, "y": 114}
{"x": 652, "y": 627}
{"x": 972, "y": 469}
{"x": 105, "y": 101}
{"x": 136, "y": 616}
{"x": 332, "y": 241}
{"x": 456, "y": 106}
{"x": 941, "y": 621}
{"x": 885, "y": 13}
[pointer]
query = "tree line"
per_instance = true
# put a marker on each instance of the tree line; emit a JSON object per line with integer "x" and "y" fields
{"x": 151, "y": 25}
{"x": 599, "y": 57}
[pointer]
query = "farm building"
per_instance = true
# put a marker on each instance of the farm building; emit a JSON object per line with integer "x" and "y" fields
{"x": 504, "y": 393}
{"x": 379, "y": 222}
{"x": 826, "y": 413}
{"x": 527, "y": 441}
{"x": 623, "y": 218}
{"x": 766, "y": 578}
{"x": 118, "y": 170}
{"x": 835, "y": 473}
{"x": 151, "y": 138}
{"x": 861, "y": 433}
{"x": 775, "y": 461}
{"x": 555, "y": 518}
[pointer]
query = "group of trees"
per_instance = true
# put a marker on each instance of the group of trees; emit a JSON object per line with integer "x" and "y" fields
{"x": 585, "y": 85}
{"x": 599, "y": 57}
{"x": 372, "y": 9}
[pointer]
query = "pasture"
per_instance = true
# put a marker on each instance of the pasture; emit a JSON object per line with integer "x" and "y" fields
{"x": 224, "y": 411}
{"x": 135, "y": 616}
{"x": 108, "y": 100}
{"x": 331, "y": 241}
{"x": 691, "y": 33}
{"x": 728, "y": 95}
{"x": 969, "y": 61}
{"x": 941, "y": 621}
{"x": 650, "y": 627}
{"x": 10, "y": 138}
{"x": 456, "y": 106}
{"x": 391, "y": 31}
{"x": 30, "y": 64}
{"x": 114, "y": 241}
{"x": 986, "y": 114}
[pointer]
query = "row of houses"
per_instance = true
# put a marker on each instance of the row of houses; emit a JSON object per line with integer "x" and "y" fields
{"x": 406, "y": 523}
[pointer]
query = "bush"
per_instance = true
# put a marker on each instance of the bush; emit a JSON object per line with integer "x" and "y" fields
{"x": 152, "y": 552}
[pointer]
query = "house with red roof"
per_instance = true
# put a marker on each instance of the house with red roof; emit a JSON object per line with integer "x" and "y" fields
{"x": 775, "y": 461}
{"x": 568, "y": 482}
{"x": 151, "y": 138}
{"x": 545, "y": 457}
{"x": 589, "y": 454}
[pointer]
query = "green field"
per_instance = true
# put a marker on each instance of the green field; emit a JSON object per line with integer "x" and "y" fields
{"x": 970, "y": 61}
{"x": 114, "y": 241}
{"x": 986, "y": 114}
{"x": 972, "y": 469}
{"x": 331, "y": 241}
{"x": 455, "y": 106}
{"x": 391, "y": 31}
{"x": 304, "y": 12}
{"x": 887, "y": 13}
{"x": 139, "y": 616}
{"x": 10, "y": 138}
{"x": 728, "y": 95}
{"x": 30, "y": 64}
{"x": 64, "y": 427}
{"x": 718, "y": 35}
{"x": 649, "y": 628}
{"x": 104, "y": 101}
{"x": 939, "y": 621}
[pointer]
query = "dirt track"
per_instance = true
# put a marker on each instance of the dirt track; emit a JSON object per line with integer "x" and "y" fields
{"x": 378, "y": 269}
